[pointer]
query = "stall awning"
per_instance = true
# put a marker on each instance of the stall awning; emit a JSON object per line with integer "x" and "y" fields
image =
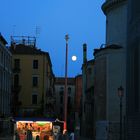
{"x": 34, "y": 119}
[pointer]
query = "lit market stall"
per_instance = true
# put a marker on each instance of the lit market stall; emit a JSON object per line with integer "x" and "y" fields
{"x": 34, "y": 127}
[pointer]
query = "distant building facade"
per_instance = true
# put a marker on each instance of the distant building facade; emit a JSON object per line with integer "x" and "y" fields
{"x": 5, "y": 78}
{"x": 5, "y": 85}
{"x": 32, "y": 79}
{"x": 87, "y": 116}
{"x": 78, "y": 96}
{"x": 78, "y": 92}
{"x": 59, "y": 92}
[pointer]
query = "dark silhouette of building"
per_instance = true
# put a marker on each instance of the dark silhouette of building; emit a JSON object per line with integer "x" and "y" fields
{"x": 87, "y": 102}
{"x": 133, "y": 71}
{"x": 5, "y": 86}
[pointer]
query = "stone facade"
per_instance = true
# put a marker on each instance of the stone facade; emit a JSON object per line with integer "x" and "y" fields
{"x": 109, "y": 75}
{"x": 114, "y": 55}
{"x": 116, "y": 21}
{"x": 100, "y": 87}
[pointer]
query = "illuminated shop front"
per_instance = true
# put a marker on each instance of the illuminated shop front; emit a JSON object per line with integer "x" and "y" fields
{"x": 34, "y": 128}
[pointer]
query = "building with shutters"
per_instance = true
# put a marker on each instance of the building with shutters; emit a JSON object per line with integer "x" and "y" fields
{"x": 32, "y": 80}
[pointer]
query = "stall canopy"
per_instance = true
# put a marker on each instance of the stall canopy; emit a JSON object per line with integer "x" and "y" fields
{"x": 34, "y": 119}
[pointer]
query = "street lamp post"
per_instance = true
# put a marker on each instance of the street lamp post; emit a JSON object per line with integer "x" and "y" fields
{"x": 65, "y": 94}
{"x": 120, "y": 94}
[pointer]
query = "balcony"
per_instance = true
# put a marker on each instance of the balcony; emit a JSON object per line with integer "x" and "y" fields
{"x": 16, "y": 70}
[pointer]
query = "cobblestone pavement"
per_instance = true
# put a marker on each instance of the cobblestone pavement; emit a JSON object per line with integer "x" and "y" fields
{"x": 6, "y": 138}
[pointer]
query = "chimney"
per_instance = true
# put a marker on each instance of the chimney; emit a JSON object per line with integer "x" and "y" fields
{"x": 84, "y": 53}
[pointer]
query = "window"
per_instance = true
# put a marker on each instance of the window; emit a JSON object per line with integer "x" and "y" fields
{"x": 69, "y": 100}
{"x": 89, "y": 71}
{"x": 35, "y": 64}
{"x": 35, "y": 81}
{"x": 16, "y": 80}
{"x": 69, "y": 90}
{"x": 61, "y": 99}
{"x": 16, "y": 63}
{"x": 61, "y": 110}
{"x": 2, "y": 57}
{"x": 61, "y": 92}
{"x": 34, "y": 99}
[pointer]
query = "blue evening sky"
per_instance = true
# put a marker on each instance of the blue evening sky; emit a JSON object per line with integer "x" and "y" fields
{"x": 83, "y": 20}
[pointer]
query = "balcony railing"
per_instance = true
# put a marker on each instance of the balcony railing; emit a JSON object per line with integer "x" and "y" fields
{"x": 16, "y": 70}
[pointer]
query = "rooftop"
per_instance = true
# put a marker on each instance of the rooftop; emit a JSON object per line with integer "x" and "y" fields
{"x": 2, "y": 39}
{"x": 112, "y": 46}
{"x": 25, "y": 49}
{"x": 25, "y": 40}
{"x": 61, "y": 81}
{"x": 108, "y": 4}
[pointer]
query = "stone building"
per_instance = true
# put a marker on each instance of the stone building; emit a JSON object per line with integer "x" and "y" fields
{"x": 110, "y": 70}
{"x": 109, "y": 75}
{"x": 78, "y": 95}
{"x": 116, "y": 21}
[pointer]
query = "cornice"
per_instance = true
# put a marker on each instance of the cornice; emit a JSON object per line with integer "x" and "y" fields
{"x": 109, "y": 4}
{"x": 108, "y": 47}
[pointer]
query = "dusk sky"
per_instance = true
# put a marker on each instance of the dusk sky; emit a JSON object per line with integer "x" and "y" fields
{"x": 83, "y": 20}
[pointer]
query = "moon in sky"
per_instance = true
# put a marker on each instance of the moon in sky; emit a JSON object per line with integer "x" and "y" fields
{"x": 74, "y": 58}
